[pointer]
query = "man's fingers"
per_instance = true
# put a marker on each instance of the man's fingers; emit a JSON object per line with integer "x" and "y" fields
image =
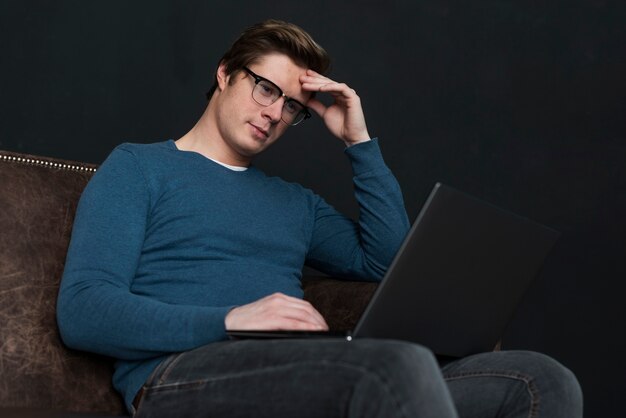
{"x": 298, "y": 309}
{"x": 326, "y": 86}
{"x": 277, "y": 311}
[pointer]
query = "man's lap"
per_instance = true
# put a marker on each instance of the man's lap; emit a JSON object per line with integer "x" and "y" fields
{"x": 321, "y": 374}
{"x": 317, "y": 377}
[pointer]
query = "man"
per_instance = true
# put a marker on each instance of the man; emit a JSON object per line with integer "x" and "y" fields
{"x": 176, "y": 242}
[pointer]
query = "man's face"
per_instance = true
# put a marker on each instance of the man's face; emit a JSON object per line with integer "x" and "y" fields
{"x": 246, "y": 127}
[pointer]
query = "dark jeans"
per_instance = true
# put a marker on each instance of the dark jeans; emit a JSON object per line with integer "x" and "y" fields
{"x": 361, "y": 378}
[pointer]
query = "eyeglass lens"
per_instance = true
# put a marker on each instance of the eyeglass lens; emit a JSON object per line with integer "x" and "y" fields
{"x": 266, "y": 93}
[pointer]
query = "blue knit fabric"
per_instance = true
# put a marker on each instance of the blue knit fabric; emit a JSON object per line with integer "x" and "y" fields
{"x": 166, "y": 242}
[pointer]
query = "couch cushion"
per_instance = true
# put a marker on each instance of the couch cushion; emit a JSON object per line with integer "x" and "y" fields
{"x": 38, "y": 198}
{"x": 341, "y": 302}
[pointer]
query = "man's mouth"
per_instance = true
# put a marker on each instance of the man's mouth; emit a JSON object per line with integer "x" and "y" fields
{"x": 260, "y": 131}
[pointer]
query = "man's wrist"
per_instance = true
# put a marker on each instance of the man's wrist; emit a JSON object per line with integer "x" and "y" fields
{"x": 352, "y": 143}
{"x": 365, "y": 157}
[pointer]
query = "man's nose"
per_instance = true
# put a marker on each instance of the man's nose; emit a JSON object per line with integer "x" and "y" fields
{"x": 274, "y": 111}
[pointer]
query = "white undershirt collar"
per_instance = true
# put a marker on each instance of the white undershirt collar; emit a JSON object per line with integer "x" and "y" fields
{"x": 230, "y": 167}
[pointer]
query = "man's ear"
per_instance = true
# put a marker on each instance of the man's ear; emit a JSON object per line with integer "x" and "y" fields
{"x": 221, "y": 76}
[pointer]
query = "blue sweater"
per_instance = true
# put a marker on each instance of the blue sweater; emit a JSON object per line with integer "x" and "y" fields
{"x": 165, "y": 242}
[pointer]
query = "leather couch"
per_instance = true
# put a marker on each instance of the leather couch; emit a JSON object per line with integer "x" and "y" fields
{"x": 39, "y": 376}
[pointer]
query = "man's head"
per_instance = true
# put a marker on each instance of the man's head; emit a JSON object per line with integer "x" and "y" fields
{"x": 258, "y": 87}
{"x": 273, "y": 36}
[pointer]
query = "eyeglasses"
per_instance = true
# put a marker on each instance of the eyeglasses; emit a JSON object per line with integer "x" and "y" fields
{"x": 265, "y": 93}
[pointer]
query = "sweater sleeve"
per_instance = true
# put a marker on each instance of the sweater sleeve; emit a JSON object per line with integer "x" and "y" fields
{"x": 364, "y": 249}
{"x": 96, "y": 309}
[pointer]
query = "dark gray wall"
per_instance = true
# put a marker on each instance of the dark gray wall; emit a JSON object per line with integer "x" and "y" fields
{"x": 520, "y": 103}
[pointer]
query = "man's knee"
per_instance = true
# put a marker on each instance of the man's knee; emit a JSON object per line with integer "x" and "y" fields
{"x": 558, "y": 386}
{"x": 403, "y": 379}
{"x": 402, "y": 364}
{"x": 552, "y": 376}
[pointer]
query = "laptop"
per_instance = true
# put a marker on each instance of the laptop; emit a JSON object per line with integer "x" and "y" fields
{"x": 455, "y": 282}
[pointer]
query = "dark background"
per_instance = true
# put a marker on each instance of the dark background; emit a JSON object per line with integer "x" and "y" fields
{"x": 520, "y": 103}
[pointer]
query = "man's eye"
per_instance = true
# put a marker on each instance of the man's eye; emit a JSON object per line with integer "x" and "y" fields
{"x": 292, "y": 107}
{"x": 266, "y": 89}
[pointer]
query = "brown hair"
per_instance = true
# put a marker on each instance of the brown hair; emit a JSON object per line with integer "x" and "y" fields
{"x": 274, "y": 36}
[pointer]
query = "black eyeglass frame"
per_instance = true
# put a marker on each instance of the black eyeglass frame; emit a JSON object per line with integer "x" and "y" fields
{"x": 257, "y": 79}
